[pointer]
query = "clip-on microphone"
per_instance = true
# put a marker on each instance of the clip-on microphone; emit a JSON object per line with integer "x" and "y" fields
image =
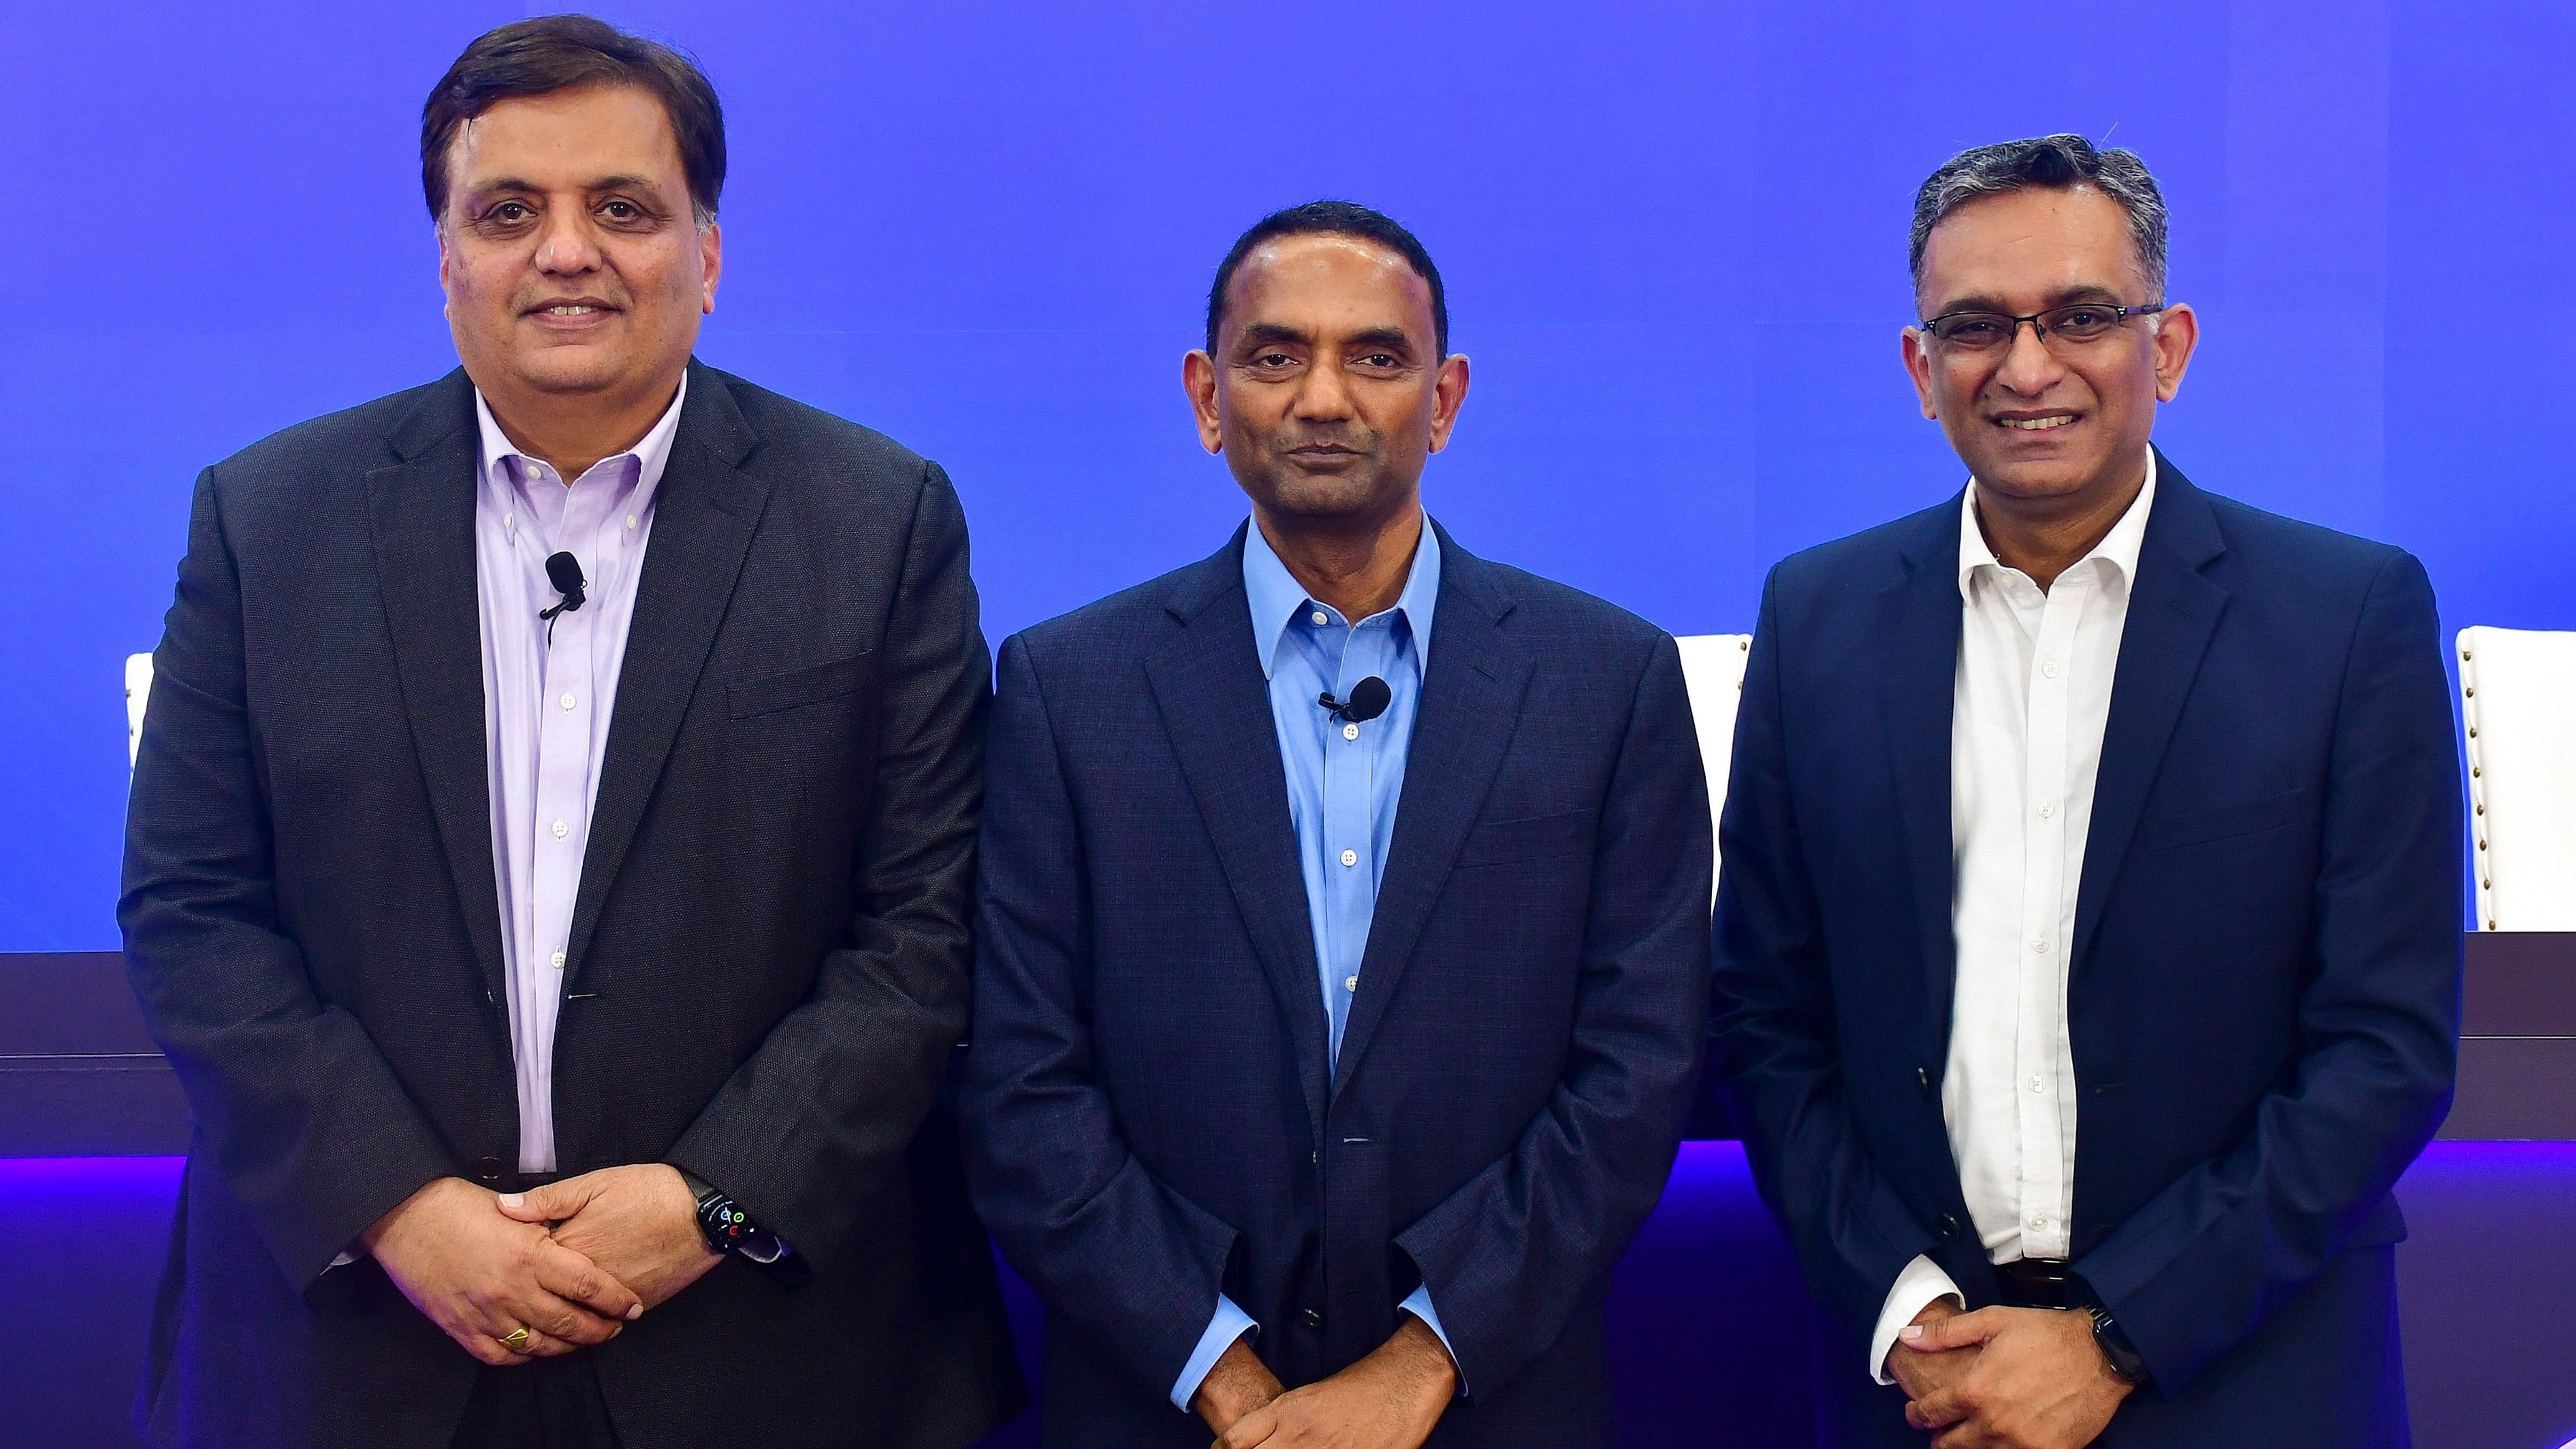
{"x": 1369, "y": 699}
{"x": 564, "y": 572}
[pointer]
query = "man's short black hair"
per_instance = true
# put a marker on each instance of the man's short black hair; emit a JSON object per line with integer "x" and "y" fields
{"x": 1337, "y": 218}
{"x": 559, "y": 53}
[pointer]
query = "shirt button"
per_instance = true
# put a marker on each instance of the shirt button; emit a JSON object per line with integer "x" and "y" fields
{"x": 2035, "y": 1084}
{"x": 1319, "y": 617}
{"x": 1350, "y": 857}
{"x": 1350, "y": 983}
{"x": 2038, "y": 1223}
{"x": 1350, "y": 731}
{"x": 630, "y": 520}
{"x": 2049, "y": 669}
{"x": 567, "y": 699}
{"x": 2040, "y": 944}
{"x": 559, "y": 960}
{"x": 2045, "y": 811}
{"x": 562, "y": 830}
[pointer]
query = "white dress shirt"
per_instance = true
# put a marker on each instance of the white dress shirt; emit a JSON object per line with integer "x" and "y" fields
{"x": 547, "y": 700}
{"x": 2033, "y": 695}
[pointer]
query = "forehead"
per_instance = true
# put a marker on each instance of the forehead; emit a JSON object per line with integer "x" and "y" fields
{"x": 1327, "y": 283}
{"x": 2025, "y": 247}
{"x": 568, "y": 137}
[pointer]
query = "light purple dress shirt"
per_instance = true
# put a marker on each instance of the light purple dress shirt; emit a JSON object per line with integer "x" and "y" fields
{"x": 546, "y": 708}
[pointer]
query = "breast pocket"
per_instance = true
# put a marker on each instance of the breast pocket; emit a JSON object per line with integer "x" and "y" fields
{"x": 748, "y": 698}
{"x": 1539, "y": 837}
{"x": 2228, "y": 822}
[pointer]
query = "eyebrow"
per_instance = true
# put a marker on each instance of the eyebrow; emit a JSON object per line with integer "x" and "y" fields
{"x": 622, "y": 181}
{"x": 2082, "y": 292}
{"x": 1393, "y": 338}
{"x": 1270, "y": 332}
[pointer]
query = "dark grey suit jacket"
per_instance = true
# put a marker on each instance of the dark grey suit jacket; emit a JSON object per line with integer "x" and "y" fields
{"x": 770, "y": 948}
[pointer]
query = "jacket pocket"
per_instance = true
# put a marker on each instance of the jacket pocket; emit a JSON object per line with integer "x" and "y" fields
{"x": 796, "y": 687}
{"x": 1501, "y": 842}
{"x": 2227, "y": 822}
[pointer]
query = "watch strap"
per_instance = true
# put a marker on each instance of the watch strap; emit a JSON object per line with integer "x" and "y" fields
{"x": 2122, "y": 1356}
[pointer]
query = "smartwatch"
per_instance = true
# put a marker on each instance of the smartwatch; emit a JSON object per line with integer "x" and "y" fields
{"x": 725, "y": 1226}
{"x": 2117, "y": 1351}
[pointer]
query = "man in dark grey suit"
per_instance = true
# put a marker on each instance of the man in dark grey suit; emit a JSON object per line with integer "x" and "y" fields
{"x": 550, "y": 856}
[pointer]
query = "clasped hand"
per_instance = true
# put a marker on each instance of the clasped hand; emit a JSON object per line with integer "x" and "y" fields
{"x": 1391, "y": 1399}
{"x": 572, "y": 1263}
{"x": 2005, "y": 1378}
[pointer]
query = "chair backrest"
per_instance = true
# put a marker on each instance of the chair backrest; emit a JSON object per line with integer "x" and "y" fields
{"x": 138, "y": 693}
{"x": 1713, "y": 669}
{"x": 2518, "y": 689}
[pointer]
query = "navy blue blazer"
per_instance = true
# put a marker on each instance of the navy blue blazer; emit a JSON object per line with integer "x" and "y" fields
{"x": 1149, "y": 1114}
{"x": 2264, "y": 998}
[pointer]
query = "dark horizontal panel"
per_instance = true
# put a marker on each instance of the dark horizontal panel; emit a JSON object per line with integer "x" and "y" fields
{"x": 79, "y": 1075}
{"x": 68, "y": 1002}
{"x": 2521, "y": 983}
{"x": 127, "y": 1106}
{"x": 2515, "y": 1089}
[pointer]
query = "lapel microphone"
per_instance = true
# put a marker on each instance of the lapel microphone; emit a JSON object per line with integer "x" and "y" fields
{"x": 1369, "y": 699}
{"x": 564, "y": 572}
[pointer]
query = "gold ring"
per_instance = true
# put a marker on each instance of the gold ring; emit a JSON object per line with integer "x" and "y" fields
{"x": 516, "y": 1340}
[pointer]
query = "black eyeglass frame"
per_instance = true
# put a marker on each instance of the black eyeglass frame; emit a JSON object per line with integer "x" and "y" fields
{"x": 1930, "y": 326}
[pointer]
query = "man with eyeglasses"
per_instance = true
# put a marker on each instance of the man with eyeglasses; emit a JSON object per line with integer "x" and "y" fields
{"x": 2088, "y": 956}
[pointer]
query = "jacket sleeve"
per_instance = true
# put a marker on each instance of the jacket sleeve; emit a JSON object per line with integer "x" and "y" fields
{"x": 811, "y": 1126}
{"x": 1515, "y": 1252}
{"x": 2207, "y": 1260}
{"x": 1132, "y": 1264}
{"x": 296, "y": 1107}
{"x": 1774, "y": 1049}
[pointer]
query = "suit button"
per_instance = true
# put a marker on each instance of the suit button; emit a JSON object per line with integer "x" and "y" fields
{"x": 488, "y": 1168}
{"x": 1923, "y": 1079}
{"x": 1948, "y": 1226}
{"x": 1313, "y": 1319}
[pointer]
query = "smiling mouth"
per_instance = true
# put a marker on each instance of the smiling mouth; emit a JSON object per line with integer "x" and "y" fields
{"x": 2037, "y": 425}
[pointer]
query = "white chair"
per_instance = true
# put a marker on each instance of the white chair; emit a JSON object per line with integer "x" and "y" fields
{"x": 138, "y": 693}
{"x": 1713, "y": 671}
{"x": 2518, "y": 689}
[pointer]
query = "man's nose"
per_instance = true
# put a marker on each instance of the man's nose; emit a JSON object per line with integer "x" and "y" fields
{"x": 2029, "y": 366}
{"x": 566, "y": 245}
{"x": 1323, "y": 396}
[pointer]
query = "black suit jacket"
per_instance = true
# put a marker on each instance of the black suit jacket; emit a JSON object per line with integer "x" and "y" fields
{"x": 769, "y": 959}
{"x": 2264, "y": 990}
{"x": 1150, "y": 1116}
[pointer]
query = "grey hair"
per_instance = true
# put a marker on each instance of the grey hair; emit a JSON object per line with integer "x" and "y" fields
{"x": 2056, "y": 163}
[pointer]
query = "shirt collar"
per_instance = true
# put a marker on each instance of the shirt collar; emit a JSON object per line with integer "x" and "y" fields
{"x": 1277, "y": 598}
{"x": 2118, "y": 548}
{"x": 652, "y": 452}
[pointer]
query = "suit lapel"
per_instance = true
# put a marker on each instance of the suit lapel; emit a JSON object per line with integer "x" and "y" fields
{"x": 1215, "y": 703}
{"x": 1471, "y": 700}
{"x": 420, "y": 514}
{"x": 2173, "y": 610}
{"x": 703, "y": 520}
{"x": 1918, "y": 674}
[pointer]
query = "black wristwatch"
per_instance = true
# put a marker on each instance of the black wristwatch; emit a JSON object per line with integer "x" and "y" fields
{"x": 725, "y": 1226}
{"x": 2117, "y": 1351}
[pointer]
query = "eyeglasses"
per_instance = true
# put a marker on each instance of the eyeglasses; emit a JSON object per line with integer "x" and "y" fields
{"x": 2075, "y": 324}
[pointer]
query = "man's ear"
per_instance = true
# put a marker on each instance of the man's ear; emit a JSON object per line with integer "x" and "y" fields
{"x": 1918, "y": 366}
{"x": 1447, "y": 396}
{"x": 710, "y": 264}
{"x": 2177, "y": 337}
{"x": 1198, "y": 381}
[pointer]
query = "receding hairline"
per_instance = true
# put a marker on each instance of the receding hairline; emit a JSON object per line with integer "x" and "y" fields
{"x": 459, "y": 187}
{"x": 2133, "y": 255}
{"x": 1384, "y": 254}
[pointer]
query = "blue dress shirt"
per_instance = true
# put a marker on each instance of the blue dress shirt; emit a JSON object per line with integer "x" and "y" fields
{"x": 1343, "y": 784}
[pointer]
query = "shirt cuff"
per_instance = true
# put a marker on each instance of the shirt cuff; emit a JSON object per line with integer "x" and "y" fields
{"x": 1225, "y": 1325}
{"x": 342, "y": 1261}
{"x": 1917, "y": 1288}
{"x": 1418, "y": 1303}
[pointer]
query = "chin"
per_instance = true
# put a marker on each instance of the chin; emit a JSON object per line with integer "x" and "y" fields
{"x": 2034, "y": 478}
{"x": 572, "y": 374}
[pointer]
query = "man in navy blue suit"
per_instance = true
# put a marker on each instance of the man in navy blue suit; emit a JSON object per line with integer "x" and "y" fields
{"x": 2089, "y": 935}
{"x": 1344, "y": 920}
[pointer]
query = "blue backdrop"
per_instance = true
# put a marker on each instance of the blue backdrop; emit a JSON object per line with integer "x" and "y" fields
{"x": 1673, "y": 235}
